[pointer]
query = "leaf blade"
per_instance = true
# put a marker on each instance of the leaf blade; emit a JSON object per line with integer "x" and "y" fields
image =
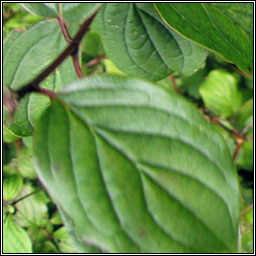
{"x": 146, "y": 46}
{"x": 16, "y": 239}
{"x": 134, "y": 124}
{"x": 205, "y": 25}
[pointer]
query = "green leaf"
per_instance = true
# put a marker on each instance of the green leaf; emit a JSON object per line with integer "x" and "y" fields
{"x": 61, "y": 237}
{"x": 139, "y": 43}
{"x": 92, "y": 45}
{"x": 220, "y": 93}
{"x": 240, "y": 13}
{"x": 46, "y": 247}
{"x": 32, "y": 210}
{"x": 192, "y": 83}
{"x": 71, "y": 12}
{"x": 12, "y": 186}
{"x": 205, "y": 25}
{"x": 61, "y": 234}
{"x": 25, "y": 163}
{"x": 111, "y": 68}
{"x": 245, "y": 115}
{"x": 245, "y": 156}
{"x": 147, "y": 159}
{"x": 15, "y": 238}
{"x": 8, "y": 135}
{"x": 56, "y": 219}
{"x": 25, "y": 56}
{"x": 247, "y": 232}
{"x": 77, "y": 242}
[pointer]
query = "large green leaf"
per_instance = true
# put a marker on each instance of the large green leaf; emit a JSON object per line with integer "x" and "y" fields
{"x": 220, "y": 93}
{"x": 25, "y": 55}
{"x": 139, "y": 43}
{"x": 205, "y": 25}
{"x": 137, "y": 169}
{"x": 72, "y": 12}
{"x": 15, "y": 238}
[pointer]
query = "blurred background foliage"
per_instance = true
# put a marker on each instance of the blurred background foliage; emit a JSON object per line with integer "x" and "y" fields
{"x": 221, "y": 92}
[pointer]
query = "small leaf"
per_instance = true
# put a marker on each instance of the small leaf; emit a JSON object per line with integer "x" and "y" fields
{"x": 92, "y": 45}
{"x": 220, "y": 93}
{"x": 9, "y": 152}
{"x": 61, "y": 234}
{"x": 8, "y": 135}
{"x": 32, "y": 210}
{"x": 15, "y": 238}
{"x": 25, "y": 56}
{"x": 25, "y": 163}
{"x": 12, "y": 185}
{"x": 245, "y": 156}
{"x": 144, "y": 157}
{"x": 72, "y": 12}
{"x": 61, "y": 237}
{"x": 205, "y": 25}
{"x": 139, "y": 43}
{"x": 56, "y": 219}
{"x": 244, "y": 116}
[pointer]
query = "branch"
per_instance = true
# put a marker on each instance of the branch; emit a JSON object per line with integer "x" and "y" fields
{"x": 33, "y": 86}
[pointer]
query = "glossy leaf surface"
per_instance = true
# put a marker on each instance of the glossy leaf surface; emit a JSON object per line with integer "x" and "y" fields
{"x": 139, "y": 43}
{"x": 205, "y": 25}
{"x": 135, "y": 168}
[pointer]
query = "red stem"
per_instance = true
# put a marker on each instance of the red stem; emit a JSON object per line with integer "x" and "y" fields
{"x": 174, "y": 83}
{"x": 77, "y": 65}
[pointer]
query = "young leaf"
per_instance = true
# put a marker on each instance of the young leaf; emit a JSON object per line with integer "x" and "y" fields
{"x": 147, "y": 159}
{"x": 72, "y": 12}
{"x": 12, "y": 186}
{"x": 32, "y": 210}
{"x": 139, "y": 43}
{"x": 25, "y": 56}
{"x": 15, "y": 238}
{"x": 205, "y": 25}
{"x": 220, "y": 93}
